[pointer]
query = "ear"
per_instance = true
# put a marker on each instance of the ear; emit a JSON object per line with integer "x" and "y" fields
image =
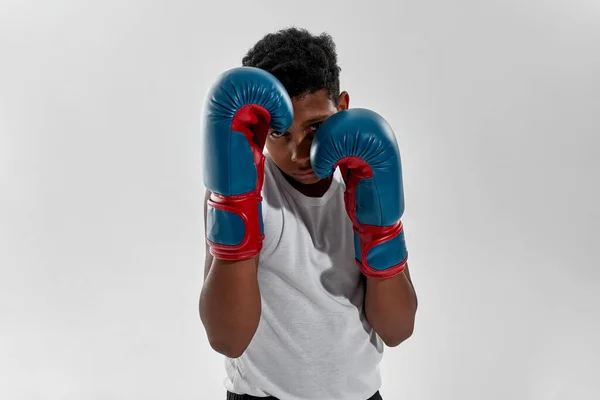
{"x": 343, "y": 101}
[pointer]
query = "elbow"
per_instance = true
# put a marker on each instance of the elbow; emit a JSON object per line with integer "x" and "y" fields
{"x": 228, "y": 349}
{"x": 222, "y": 341}
{"x": 394, "y": 339}
{"x": 232, "y": 346}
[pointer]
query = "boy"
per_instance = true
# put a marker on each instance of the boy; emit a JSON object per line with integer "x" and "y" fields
{"x": 286, "y": 297}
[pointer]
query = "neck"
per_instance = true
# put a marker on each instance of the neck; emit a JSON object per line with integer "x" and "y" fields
{"x": 311, "y": 190}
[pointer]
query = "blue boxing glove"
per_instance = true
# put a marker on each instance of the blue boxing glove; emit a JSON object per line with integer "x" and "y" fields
{"x": 239, "y": 108}
{"x": 364, "y": 146}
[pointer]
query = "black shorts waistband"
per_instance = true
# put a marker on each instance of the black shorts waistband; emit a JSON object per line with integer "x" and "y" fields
{"x": 233, "y": 396}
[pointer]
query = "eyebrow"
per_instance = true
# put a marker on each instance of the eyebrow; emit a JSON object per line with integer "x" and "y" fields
{"x": 315, "y": 119}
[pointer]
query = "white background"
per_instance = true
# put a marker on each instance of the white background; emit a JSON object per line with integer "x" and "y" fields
{"x": 496, "y": 105}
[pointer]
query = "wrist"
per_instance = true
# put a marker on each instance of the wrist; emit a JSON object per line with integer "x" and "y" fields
{"x": 234, "y": 226}
{"x": 383, "y": 252}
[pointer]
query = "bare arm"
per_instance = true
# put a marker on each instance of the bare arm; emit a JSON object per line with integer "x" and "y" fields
{"x": 229, "y": 302}
{"x": 391, "y": 306}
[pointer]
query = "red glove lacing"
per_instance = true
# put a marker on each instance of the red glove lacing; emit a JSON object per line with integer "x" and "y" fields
{"x": 370, "y": 235}
{"x": 253, "y": 121}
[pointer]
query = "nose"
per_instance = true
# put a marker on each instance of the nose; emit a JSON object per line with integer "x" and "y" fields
{"x": 301, "y": 151}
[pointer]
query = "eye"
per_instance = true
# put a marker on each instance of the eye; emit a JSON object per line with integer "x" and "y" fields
{"x": 314, "y": 127}
{"x": 278, "y": 134}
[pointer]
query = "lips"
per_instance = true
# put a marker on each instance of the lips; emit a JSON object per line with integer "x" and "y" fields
{"x": 304, "y": 175}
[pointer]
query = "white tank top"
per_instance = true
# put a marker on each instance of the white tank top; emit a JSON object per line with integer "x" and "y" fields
{"x": 313, "y": 341}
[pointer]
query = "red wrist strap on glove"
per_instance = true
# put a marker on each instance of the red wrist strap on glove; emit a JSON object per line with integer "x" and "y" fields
{"x": 247, "y": 208}
{"x": 371, "y": 236}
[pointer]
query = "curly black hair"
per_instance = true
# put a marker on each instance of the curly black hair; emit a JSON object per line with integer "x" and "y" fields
{"x": 304, "y": 63}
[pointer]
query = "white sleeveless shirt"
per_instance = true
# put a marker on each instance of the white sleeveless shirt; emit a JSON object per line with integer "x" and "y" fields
{"x": 313, "y": 341}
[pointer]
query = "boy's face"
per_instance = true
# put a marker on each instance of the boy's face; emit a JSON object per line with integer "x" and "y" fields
{"x": 290, "y": 150}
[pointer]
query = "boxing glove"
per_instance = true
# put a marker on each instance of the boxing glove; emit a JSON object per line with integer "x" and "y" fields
{"x": 362, "y": 144}
{"x": 238, "y": 110}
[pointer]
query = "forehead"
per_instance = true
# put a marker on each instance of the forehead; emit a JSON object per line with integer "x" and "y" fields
{"x": 312, "y": 104}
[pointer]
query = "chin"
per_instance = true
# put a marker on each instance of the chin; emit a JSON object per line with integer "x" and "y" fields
{"x": 307, "y": 181}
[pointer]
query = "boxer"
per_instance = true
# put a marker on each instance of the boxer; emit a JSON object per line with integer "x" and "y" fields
{"x": 306, "y": 273}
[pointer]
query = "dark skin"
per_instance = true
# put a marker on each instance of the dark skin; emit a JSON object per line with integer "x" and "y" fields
{"x": 230, "y": 299}
{"x": 229, "y": 302}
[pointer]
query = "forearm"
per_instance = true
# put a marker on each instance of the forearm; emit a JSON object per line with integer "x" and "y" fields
{"x": 230, "y": 305}
{"x": 390, "y": 307}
